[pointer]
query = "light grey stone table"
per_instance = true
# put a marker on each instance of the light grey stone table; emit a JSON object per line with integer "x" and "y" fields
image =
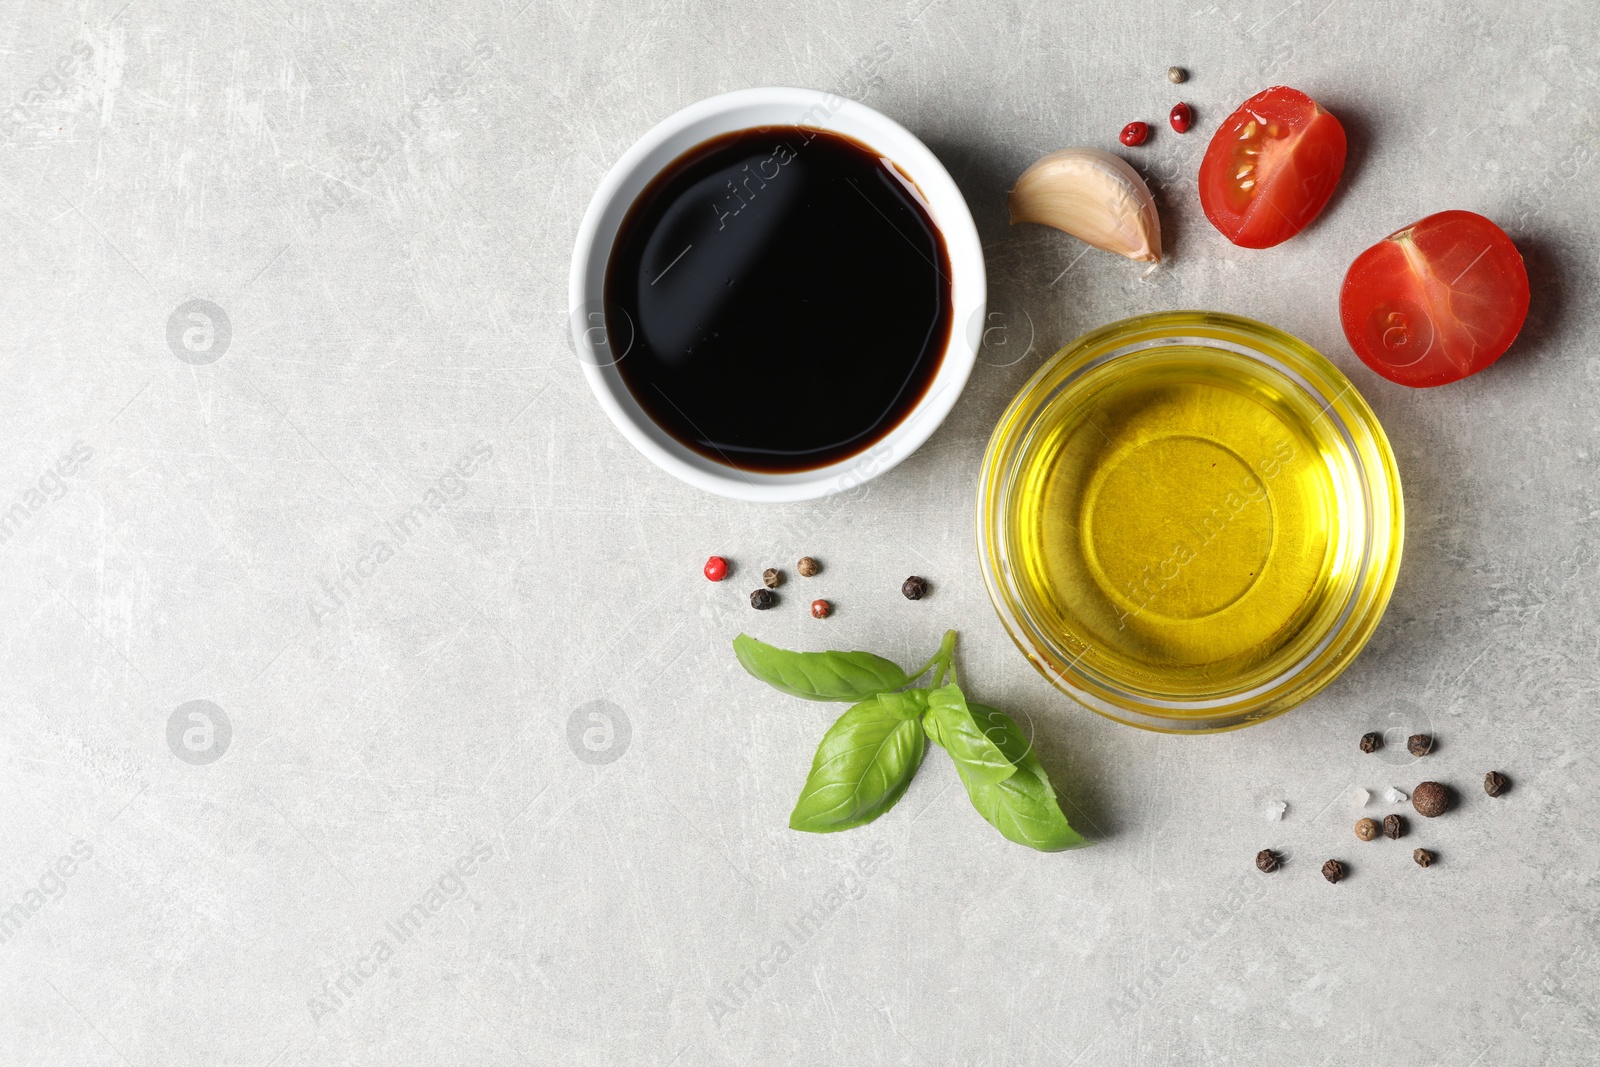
{"x": 361, "y": 505}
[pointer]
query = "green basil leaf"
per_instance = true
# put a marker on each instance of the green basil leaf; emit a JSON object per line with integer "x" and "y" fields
{"x": 969, "y": 742}
{"x": 907, "y": 705}
{"x": 863, "y": 765}
{"x": 1023, "y": 807}
{"x": 848, "y": 676}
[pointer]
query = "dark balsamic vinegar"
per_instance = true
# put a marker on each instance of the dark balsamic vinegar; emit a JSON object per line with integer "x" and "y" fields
{"x": 785, "y": 295}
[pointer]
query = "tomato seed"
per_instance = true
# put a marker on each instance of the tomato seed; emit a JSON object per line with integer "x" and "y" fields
{"x": 1181, "y": 117}
{"x": 1134, "y": 133}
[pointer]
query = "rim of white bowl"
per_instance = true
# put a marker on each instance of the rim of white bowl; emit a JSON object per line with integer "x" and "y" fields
{"x": 748, "y": 109}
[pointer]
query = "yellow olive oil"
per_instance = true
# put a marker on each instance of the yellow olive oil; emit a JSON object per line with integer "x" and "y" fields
{"x": 1184, "y": 522}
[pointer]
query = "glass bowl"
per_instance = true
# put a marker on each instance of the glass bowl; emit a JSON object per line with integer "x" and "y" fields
{"x": 1189, "y": 521}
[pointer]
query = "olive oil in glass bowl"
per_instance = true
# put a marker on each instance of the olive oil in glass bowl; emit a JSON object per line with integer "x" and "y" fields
{"x": 1189, "y": 521}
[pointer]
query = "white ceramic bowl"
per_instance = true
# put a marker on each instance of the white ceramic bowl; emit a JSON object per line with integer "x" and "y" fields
{"x": 740, "y": 110}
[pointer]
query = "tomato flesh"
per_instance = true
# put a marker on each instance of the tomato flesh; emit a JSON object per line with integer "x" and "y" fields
{"x": 1271, "y": 167}
{"x": 1437, "y": 301}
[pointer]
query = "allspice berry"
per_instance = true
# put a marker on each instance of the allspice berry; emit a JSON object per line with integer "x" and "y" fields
{"x": 1266, "y": 861}
{"x": 807, "y": 567}
{"x": 1419, "y": 744}
{"x": 914, "y": 588}
{"x": 1495, "y": 783}
{"x": 1430, "y": 799}
{"x": 1394, "y": 826}
{"x": 772, "y": 577}
{"x": 1371, "y": 742}
{"x": 1367, "y": 830}
{"x": 1422, "y": 856}
{"x": 1333, "y": 870}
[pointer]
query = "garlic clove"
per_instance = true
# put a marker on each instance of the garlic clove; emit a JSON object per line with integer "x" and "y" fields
{"x": 1093, "y": 195}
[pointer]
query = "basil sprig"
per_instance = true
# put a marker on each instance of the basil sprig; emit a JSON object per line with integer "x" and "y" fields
{"x": 868, "y": 757}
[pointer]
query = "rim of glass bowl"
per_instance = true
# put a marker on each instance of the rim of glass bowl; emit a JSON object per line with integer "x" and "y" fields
{"x": 1367, "y": 449}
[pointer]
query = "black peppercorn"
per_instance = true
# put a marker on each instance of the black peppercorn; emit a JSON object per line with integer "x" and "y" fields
{"x": 1266, "y": 861}
{"x": 1367, "y": 829}
{"x": 807, "y": 567}
{"x": 762, "y": 599}
{"x": 1423, "y": 857}
{"x": 1419, "y": 744}
{"x": 1394, "y": 826}
{"x": 1495, "y": 783}
{"x": 1430, "y": 799}
{"x": 914, "y": 588}
{"x": 1371, "y": 742}
{"x": 1333, "y": 870}
{"x": 772, "y": 577}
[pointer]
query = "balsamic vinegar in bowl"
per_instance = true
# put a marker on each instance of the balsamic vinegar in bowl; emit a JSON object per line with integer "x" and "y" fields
{"x": 786, "y": 297}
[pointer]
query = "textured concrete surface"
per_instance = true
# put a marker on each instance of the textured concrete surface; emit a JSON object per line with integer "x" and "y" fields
{"x": 452, "y": 646}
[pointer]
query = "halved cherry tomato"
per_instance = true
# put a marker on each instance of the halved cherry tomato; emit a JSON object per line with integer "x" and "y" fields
{"x": 1271, "y": 167}
{"x": 1437, "y": 301}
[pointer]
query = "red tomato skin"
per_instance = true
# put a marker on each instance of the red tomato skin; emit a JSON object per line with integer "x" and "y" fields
{"x": 1388, "y": 311}
{"x": 1290, "y": 194}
